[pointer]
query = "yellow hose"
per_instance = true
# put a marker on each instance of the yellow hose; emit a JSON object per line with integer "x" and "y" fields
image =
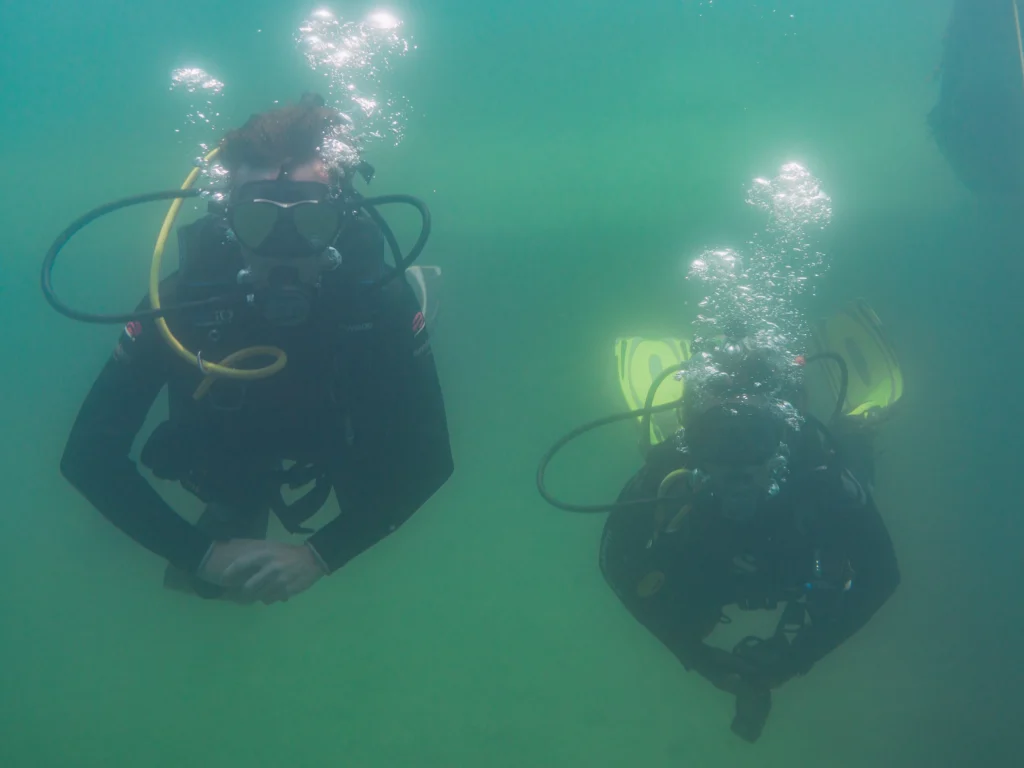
{"x": 211, "y": 371}
{"x": 661, "y": 521}
{"x": 669, "y": 480}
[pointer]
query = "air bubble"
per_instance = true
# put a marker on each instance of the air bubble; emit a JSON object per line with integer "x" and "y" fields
{"x": 355, "y": 57}
{"x": 751, "y": 296}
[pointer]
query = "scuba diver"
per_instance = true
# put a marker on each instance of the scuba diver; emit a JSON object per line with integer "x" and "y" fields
{"x": 745, "y": 499}
{"x": 290, "y": 266}
{"x": 859, "y": 373}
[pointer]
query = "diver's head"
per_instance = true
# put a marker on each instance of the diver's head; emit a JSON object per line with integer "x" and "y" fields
{"x": 283, "y": 203}
{"x": 290, "y": 138}
{"x": 741, "y": 404}
{"x": 739, "y": 452}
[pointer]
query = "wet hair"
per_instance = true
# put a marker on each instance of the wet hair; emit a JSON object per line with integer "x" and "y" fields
{"x": 283, "y": 137}
{"x": 736, "y": 433}
{"x": 739, "y": 374}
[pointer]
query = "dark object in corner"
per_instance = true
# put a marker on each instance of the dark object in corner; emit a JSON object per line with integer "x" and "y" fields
{"x": 978, "y": 121}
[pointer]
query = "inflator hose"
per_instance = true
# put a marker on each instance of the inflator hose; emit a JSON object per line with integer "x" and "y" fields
{"x": 81, "y": 223}
{"x": 367, "y": 204}
{"x": 646, "y": 412}
{"x": 402, "y": 263}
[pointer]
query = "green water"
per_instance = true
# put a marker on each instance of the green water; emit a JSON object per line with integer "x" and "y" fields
{"x": 576, "y": 155}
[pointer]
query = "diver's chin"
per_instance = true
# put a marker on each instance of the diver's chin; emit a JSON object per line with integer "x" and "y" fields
{"x": 284, "y": 290}
{"x": 739, "y": 508}
{"x": 286, "y": 305}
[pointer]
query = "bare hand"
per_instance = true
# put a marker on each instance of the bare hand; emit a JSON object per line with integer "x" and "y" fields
{"x": 725, "y": 670}
{"x": 274, "y": 572}
{"x": 225, "y": 553}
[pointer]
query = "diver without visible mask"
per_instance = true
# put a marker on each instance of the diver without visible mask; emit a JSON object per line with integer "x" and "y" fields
{"x": 738, "y": 459}
{"x": 748, "y": 507}
{"x": 740, "y": 405}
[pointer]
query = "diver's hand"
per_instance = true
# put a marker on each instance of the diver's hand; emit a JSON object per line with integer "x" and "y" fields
{"x": 770, "y": 661}
{"x": 733, "y": 674}
{"x": 740, "y": 675}
{"x": 274, "y": 572}
{"x": 726, "y": 671}
{"x": 753, "y": 705}
{"x": 223, "y": 555}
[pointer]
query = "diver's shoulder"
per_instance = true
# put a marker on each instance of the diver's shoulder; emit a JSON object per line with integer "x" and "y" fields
{"x": 852, "y": 490}
{"x": 204, "y": 232}
{"x": 665, "y": 457}
{"x": 207, "y": 221}
{"x": 835, "y": 480}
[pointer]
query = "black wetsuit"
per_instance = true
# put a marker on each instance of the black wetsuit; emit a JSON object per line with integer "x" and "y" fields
{"x": 821, "y": 533}
{"x": 358, "y": 402}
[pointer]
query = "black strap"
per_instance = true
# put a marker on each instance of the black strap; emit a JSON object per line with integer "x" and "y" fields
{"x": 792, "y": 620}
{"x": 292, "y": 516}
{"x": 791, "y": 623}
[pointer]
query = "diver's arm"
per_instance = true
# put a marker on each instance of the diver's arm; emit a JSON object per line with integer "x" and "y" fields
{"x": 402, "y": 454}
{"x": 859, "y": 526}
{"x": 682, "y": 621}
{"x": 96, "y": 462}
{"x": 722, "y": 669}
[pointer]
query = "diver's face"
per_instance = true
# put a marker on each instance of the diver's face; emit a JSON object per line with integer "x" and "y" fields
{"x": 285, "y": 228}
{"x": 273, "y": 195}
{"x": 284, "y": 222}
{"x": 738, "y": 491}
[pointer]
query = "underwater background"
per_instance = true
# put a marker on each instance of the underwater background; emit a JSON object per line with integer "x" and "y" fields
{"x": 576, "y": 157}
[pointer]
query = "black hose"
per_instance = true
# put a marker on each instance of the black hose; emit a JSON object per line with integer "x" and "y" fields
{"x": 382, "y": 224}
{"x": 542, "y": 469}
{"x": 844, "y": 381}
{"x": 369, "y": 204}
{"x": 646, "y": 412}
{"x": 645, "y": 423}
{"x": 402, "y": 263}
{"x": 645, "y": 439}
{"x": 46, "y": 279}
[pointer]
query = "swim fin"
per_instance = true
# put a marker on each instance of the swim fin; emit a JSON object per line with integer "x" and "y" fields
{"x": 856, "y": 333}
{"x": 638, "y": 363}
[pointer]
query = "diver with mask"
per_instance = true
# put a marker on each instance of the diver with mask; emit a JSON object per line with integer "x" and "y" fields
{"x": 749, "y": 504}
{"x": 291, "y": 266}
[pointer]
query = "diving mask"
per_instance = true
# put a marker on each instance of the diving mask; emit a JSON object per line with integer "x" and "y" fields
{"x": 286, "y": 229}
{"x": 284, "y": 219}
